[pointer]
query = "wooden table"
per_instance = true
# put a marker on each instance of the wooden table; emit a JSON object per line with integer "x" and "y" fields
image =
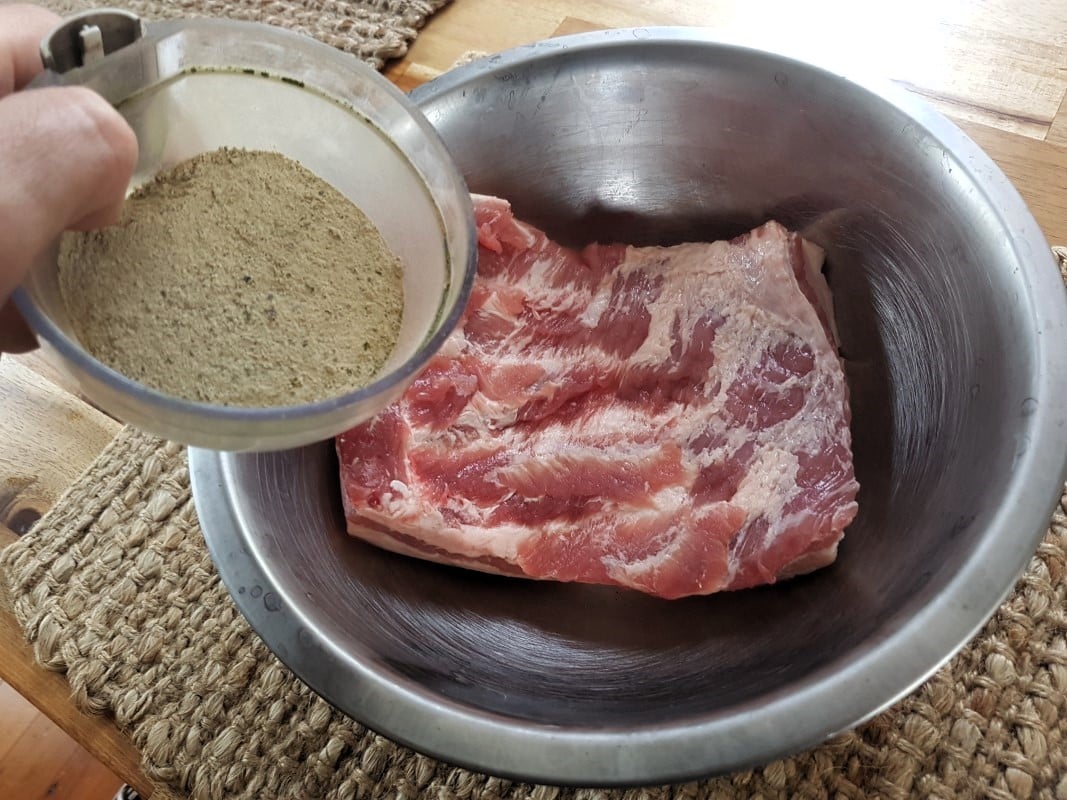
{"x": 997, "y": 67}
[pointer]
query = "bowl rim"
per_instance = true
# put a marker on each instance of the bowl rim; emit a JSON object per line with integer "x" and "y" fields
{"x": 775, "y": 725}
{"x": 210, "y": 414}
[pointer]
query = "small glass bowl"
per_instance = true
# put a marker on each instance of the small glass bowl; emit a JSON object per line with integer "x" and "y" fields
{"x": 196, "y": 85}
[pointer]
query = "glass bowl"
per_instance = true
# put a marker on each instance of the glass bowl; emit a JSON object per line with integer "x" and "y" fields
{"x": 196, "y": 85}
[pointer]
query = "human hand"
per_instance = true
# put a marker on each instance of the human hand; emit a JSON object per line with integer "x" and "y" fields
{"x": 66, "y": 157}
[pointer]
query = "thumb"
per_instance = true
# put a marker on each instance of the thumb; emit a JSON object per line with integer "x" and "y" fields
{"x": 66, "y": 157}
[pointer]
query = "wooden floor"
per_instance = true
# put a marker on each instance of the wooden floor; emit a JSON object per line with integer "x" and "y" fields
{"x": 40, "y": 762}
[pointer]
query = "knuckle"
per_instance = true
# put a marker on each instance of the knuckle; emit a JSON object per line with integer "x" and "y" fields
{"x": 113, "y": 143}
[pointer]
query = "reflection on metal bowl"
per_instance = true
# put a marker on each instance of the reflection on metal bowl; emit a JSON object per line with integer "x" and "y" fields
{"x": 951, "y": 315}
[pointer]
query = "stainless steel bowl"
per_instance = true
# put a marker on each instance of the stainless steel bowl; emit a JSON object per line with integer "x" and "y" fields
{"x": 952, "y": 317}
{"x": 195, "y": 85}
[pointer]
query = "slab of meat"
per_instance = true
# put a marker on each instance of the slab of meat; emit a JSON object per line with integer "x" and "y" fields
{"x": 673, "y": 420}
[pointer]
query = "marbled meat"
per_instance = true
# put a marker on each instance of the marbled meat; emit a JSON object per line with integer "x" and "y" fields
{"x": 674, "y": 420}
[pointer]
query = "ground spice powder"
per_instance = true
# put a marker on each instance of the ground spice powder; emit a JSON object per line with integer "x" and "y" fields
{"x": 237, "y": 278}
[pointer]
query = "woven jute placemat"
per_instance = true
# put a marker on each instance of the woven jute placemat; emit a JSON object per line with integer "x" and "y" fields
{"x": 373, "y": 30}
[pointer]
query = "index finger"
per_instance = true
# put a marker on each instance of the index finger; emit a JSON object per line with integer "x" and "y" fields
{"x": 21, "y": 30}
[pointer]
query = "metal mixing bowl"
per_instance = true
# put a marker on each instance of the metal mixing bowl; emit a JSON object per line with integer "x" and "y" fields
{"x": 952, "y": 317}
{"x": 191, "y": 86}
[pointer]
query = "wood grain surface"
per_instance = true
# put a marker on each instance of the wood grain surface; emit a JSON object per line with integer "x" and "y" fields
{"x": 996, "y": 67}
{"x": 49, "y": 436}
{"x": 38, "y": 761}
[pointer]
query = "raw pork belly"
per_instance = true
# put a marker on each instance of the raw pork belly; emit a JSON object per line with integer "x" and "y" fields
{"x": 674, "y": 420}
